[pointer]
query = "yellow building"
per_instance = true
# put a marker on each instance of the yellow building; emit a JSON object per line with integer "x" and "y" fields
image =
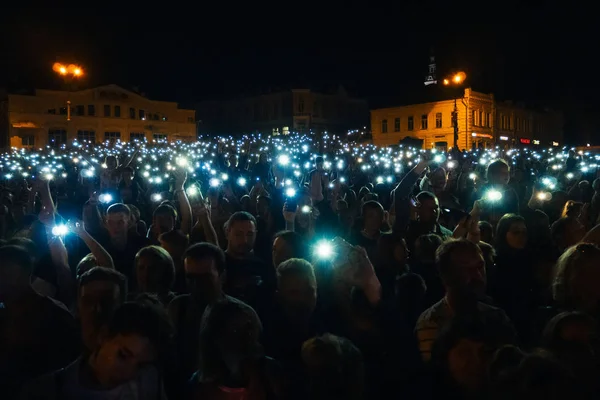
{"x": 482, "y": 122}
{"x": 103, "y": 113}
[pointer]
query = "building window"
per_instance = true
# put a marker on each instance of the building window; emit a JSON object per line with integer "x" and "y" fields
{"x": 488, "y": 120}
{"x": 474, "y": 118}
{"x": 424, "y": 121}
{"x": 112, "y": 136}
{"x": 438, "y": 120}
{"x": 384, "y": 126}
{"x": 481, "y": 121}
{"x": 118, "y": 111}
{"x": 396, "y": 124}
{"x": 142, "y": 114}
{"x": 131, "y": 112}
{"x": 300, "y": 105}
{"x": 91, "y": 110}
{"x": 139, "y": 136}
{"x": 57, "y": 137}
{"x": 107, "y": 110}
{"x": 52, "y": 111}
{"x": 190, "y": 120}
{"x": 159, "y": 137}
{"x": 89, "y": 136}
{"x": 411, "y": 123}
{"x": 28, "y": 141}
{"x": 62, "y": 110}
{"x": 518, "y": 124}
{"x": 79, "y": 110}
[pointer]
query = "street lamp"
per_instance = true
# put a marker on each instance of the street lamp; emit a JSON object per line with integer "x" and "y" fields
{"x": 69, "y": 73}
{"x": 456, "y": 80}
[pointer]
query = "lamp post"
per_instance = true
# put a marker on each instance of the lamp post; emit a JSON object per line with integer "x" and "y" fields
{"x": 69, "y": 73}
{"x": 456, "y": 80}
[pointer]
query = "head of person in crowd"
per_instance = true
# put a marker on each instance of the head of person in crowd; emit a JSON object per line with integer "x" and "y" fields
{"x": 118, "y": 221}
{"x": 164, "y": 218}
{"x": 15, "y": 272}
{"x": 127, "y": 175}
{"x": 462, "y": 269}
{"x": 577, "y": 279}
{"x": 229, "y": 343}
{"x": 511, "y": 234}
{"x": 263, "y": 158}
{"x": 241, "y": 234}
{"x": 263, "y": 205}
{"x": 286, "y": 245}
{"x": 573, "y": 338}
{"x": 429, "y": 208}
{"x": 137, "y": 225}
{"x": 464, "y": 351}
{"x": 518, "y": 375}
{"x": 425, "y": 249}
{"x": 296, "y": 290}
{"x": 372, "y": 217}
{"x": 489, "y": 254}
{"x": 498, "y": 173}
{"x": 567, "y": 232}
{"x": 245, "y": 201}
{"x": 100, "y": 291}
{"x": 438, "y": 180}
{"x": 392, "y": 254}
{"x": 334, "y": 367}
{"x": 154, "y": 270}
{"x": 572, "y": 209}
{"x": 204, "y": 265}
{"x": 85, "y": 264}
{"x": 111, "y": 162}
{"x": 539, "y": 229}
{"x": 175, "y": 242}
{"x": 487, "y": 231}
{"x": 319, "y": 162}
{"x": 138, "y": 335}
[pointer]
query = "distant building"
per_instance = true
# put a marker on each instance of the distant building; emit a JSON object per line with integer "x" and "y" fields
{"x": 297, "y": 110}
{"x": 482, "y": 122}
{"x": 103, "y": 113}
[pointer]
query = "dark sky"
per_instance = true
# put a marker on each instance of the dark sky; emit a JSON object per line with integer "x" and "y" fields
{"x": 541, "y": 55}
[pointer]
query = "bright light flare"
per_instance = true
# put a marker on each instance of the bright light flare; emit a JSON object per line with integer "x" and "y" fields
{"x": 324, "y": 250}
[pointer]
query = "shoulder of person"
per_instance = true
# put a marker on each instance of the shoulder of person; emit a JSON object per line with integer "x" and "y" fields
{"x": 429, "y": 317}
{"x": 57, "y": 306}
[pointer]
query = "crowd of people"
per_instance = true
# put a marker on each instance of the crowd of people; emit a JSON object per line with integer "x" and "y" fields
{"x": 294, "y": 268}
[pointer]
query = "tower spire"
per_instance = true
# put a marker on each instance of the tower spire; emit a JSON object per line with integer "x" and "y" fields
{"x": 431, "y": 77}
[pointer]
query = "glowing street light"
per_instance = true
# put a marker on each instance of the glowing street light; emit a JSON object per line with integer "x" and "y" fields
{"x": 456, "y": 80}
{"x": 68, "y": 72}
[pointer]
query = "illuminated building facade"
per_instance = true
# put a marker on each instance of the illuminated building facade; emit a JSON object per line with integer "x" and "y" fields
{"x": 482, "y": 122}
{"x": 103, "y": 113}
{"x": 296, "y": 110}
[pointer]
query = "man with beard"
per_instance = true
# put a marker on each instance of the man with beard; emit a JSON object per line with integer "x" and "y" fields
{"x": 101, "y": 291}
{"x": 462, "y": 269}
{"x": 248, "y": 278}
{"x": 204, "y": 264}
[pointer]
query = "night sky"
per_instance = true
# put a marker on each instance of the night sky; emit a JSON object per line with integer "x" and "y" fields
{"x": 540, "y": 55}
